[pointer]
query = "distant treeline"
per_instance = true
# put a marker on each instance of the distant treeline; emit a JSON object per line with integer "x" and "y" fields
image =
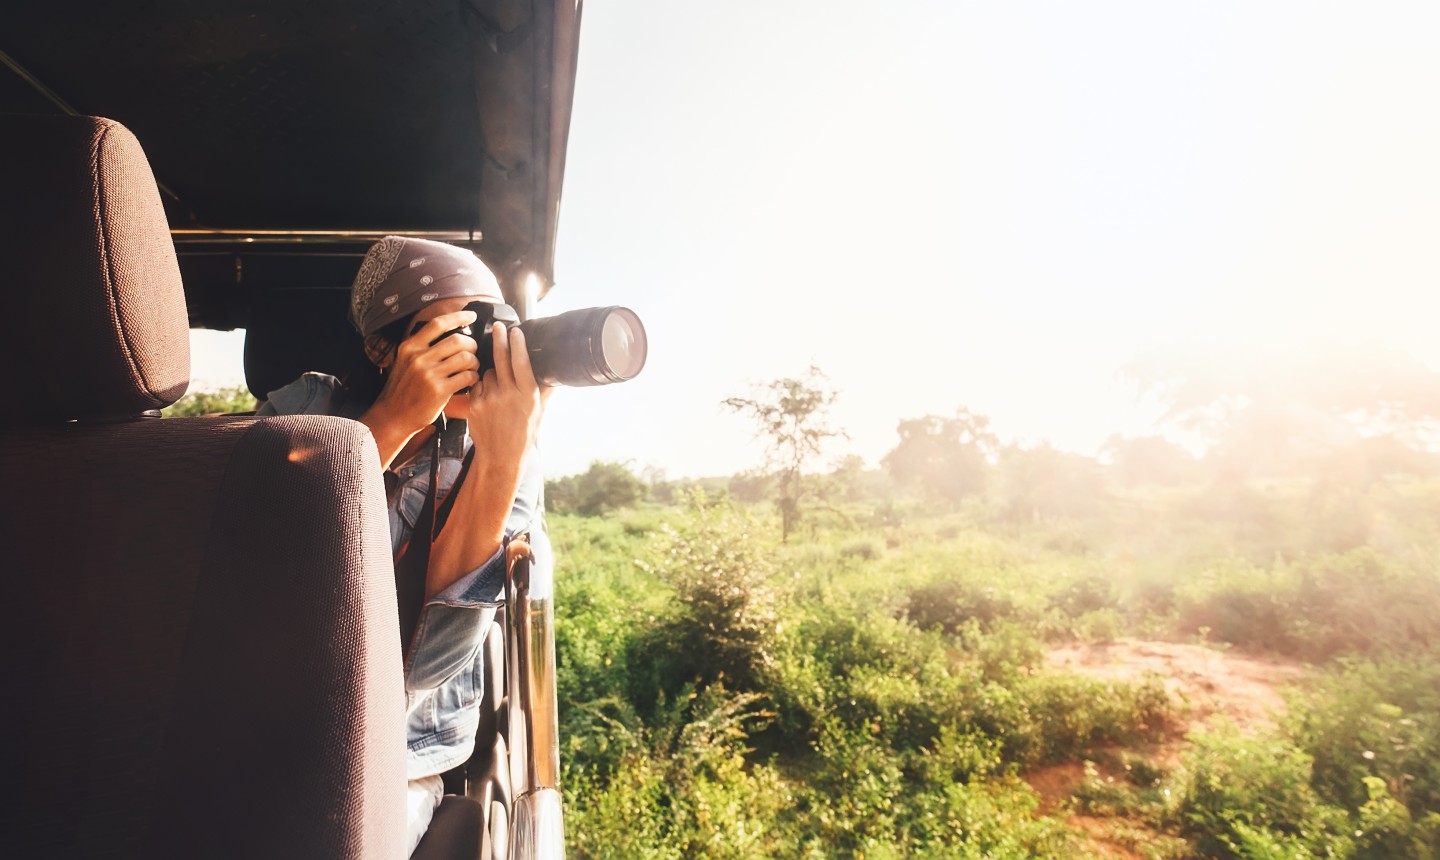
{"x": 1329, "y": 422}
{"x": 951, "y": 462}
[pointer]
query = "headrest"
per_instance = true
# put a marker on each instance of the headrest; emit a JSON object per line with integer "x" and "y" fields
{"x": 95, "y": 323}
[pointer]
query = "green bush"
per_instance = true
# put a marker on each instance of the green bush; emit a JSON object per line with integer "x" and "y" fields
{"x": 682, "y": 789}
{"x": 949, "y": 604}
{"x": 236, "y": 398}
{"x": 1317, "y": 607}
{"x": 1064, "y": 717}
{"x": 1251, "y": 797}
{"x": 1374, "y": 720}
{"x": 724, "y": 621}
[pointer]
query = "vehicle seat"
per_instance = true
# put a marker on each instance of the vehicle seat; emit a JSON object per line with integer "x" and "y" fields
{"x": 203, "y": 656}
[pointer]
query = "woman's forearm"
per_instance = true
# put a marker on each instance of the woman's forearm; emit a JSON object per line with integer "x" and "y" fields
{"x": 390, "y": 438}
{"x": 476, "y": 526}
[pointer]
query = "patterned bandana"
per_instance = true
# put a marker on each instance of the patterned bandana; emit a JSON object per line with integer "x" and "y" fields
{"x": 400, "y": 276}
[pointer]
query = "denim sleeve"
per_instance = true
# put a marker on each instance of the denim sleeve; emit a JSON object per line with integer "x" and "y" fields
{"x": 448, "y": 635}
{"x": 308, "y": 395}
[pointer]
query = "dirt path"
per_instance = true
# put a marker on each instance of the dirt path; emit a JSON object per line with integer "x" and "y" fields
{"x": 1206, "y": 682}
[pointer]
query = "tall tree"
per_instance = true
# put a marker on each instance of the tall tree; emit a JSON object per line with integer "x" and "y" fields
{"x": 1149, "y": 460}
{"x": 792, "y": 415}
{"x": 948, "y": 457}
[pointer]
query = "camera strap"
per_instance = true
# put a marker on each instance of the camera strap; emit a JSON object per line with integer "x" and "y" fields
{"x": 413, "y": 565}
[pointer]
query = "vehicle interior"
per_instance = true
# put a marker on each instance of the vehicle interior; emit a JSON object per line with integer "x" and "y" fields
{"x": 204, "y": 626}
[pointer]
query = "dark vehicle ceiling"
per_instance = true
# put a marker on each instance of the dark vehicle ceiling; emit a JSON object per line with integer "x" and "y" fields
{"x": 273, "y": 126}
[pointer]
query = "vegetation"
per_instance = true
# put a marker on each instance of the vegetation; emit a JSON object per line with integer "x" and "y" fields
{"x": 882, "y": 685}
{"x": 602, "y": 488}
{"x": 790, "y": 414}
{"x": 236, "y": 398}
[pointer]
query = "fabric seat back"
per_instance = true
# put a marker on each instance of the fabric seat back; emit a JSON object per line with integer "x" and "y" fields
{"x": 205, "y": 654}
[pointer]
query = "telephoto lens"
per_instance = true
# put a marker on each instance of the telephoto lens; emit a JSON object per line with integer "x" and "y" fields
{"x": 593, "y": 346}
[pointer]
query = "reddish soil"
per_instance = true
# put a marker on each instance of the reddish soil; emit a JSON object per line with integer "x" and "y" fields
{"x": 1205, "y": 682}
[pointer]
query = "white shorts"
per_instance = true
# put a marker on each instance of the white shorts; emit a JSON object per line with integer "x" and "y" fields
{"x": 421, "y": 798}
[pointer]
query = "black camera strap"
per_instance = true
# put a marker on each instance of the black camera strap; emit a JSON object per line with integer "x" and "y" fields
{"x": 413, "y": 565}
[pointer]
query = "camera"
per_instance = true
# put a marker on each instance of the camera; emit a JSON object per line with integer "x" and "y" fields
{"x": 592, "y": 346}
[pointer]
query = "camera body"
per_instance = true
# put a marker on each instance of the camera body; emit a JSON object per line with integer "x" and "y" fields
{"x": 592, "y": 346}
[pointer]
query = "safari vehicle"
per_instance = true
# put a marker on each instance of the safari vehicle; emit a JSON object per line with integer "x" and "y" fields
{"x": 202, "y": 611}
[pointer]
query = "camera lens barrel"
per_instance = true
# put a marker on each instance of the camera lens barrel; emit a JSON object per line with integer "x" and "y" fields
{"x": 594, "y": 346}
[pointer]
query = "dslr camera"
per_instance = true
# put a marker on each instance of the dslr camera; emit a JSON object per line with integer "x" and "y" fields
{"x": 591, "y": 346}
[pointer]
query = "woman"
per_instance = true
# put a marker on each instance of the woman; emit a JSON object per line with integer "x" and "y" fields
{"x": 408, "y": 294}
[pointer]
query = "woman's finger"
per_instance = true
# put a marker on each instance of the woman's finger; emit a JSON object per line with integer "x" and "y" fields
{"x": 432, "y": 330}
{"x": 455, "y": 343}
{"x": 500, "y": 341}
{"x": 487, "y": 384}
{"x": 457, "y": 363}
{"x": 520, "y": 362}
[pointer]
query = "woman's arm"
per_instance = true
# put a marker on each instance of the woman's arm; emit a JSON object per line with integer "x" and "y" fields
{"x": 504, "y": 416}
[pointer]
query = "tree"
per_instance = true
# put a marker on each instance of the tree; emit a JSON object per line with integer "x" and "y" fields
{"x": 792, "y": 414}
{"x": 850, "y": 481}
{"x": 1042, "y": 483}
{"x": 948, "y": 457}
{"x": 1153, "y": 460}
{"x": 602, "y": 488}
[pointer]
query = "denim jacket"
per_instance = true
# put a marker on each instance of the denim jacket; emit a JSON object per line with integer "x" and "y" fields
{"x": 444, "y": 669}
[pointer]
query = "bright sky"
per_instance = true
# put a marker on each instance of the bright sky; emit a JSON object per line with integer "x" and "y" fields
{"x": 984, "y": 204}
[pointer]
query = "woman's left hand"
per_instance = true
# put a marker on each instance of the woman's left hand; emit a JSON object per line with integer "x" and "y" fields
{"x": 505, "y": 407}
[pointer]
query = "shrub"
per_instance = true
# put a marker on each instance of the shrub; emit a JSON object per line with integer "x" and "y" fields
{"x": 1251, "y": 797}
{"x": 1003, "y": 653}
{"x": 1317, "y": 607}
{"x": 949, "y": 604}
{"x": 682, "y": 789}
{"x": 1064, "y": 717}
{"x": 236, "y": 398}
{"x": 725, "y": 621}
{"x": 865, "y": 549}
{"x": 1374, "y": 719}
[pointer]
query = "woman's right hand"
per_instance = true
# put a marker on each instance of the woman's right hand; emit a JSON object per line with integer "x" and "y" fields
{"x": 420, "y": 379}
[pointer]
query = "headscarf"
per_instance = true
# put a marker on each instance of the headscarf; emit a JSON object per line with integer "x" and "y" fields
{"x": 401, "y": 275}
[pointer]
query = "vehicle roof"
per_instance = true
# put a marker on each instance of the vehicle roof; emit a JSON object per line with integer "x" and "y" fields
{"x": 287, "y": 136}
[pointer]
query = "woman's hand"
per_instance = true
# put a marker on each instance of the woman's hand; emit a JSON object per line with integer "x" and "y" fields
{"x": 505, "y": 407}
{"x": 420, "y": 380}
{"x": 504, "y": 415}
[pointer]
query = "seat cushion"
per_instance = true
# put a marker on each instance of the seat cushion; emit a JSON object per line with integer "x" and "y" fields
{"x": 209, "y": 661}
{"x": 454, "y": 832}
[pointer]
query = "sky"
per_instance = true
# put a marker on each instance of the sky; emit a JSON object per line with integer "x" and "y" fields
{"x": 989, "y": 205}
